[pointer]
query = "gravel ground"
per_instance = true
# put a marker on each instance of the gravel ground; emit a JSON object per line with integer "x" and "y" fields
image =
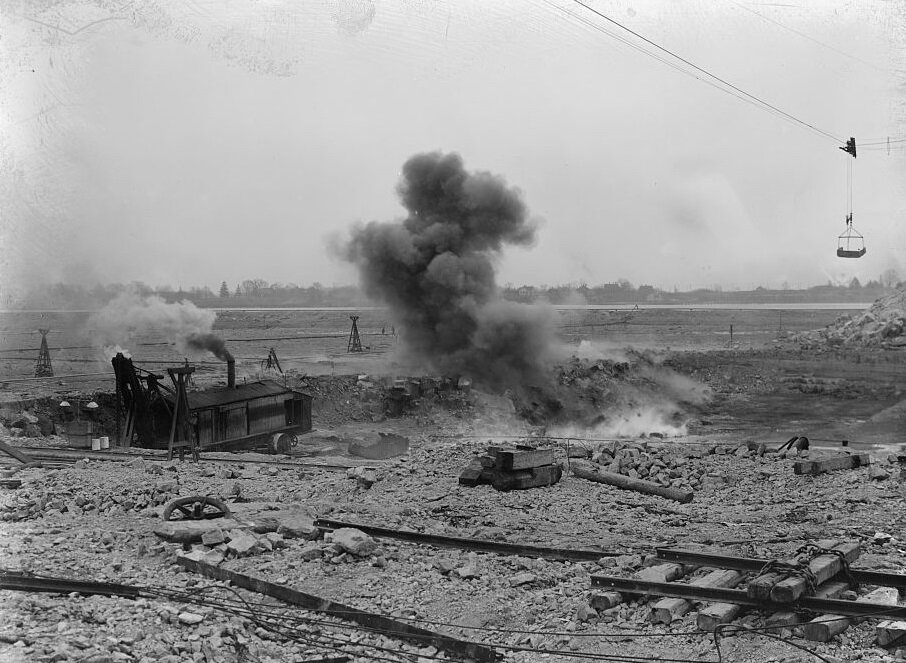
{"x": 96, "y": 520}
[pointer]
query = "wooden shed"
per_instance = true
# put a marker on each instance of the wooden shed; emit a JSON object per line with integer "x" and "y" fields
{"x": 247, "y": 415}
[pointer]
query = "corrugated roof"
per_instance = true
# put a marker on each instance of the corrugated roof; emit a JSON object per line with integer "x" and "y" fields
{"x": 242, "y": 392}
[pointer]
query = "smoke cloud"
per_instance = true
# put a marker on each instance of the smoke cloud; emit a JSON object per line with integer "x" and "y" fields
{"x": 210, "y": 342}
{"x": 117, "y": 325}
{"x": 435, "y": 270}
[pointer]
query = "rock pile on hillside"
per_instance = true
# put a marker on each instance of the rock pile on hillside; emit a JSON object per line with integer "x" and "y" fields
{"x": 883, "y": 324}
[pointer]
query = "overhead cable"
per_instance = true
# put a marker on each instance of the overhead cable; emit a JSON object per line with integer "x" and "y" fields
{"x": 724, "y": 85}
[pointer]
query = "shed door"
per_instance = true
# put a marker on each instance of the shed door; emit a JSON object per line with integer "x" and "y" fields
{"x": 232, "y": 423}
{"x": 293, "y": 407}
{"x": 205, "y": 427}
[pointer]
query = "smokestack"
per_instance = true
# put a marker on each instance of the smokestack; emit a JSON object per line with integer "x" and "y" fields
{"x": 231, "y": 373}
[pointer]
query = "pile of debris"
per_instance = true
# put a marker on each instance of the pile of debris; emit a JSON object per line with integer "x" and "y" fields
{"x": 513, "y": 468}
{"x": 882, "y": 325}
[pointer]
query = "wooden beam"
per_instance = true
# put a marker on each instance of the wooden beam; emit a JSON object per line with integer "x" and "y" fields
{"x": 591, "y": 472}
{"x": 509, "y": 461}
{"x": 378, "y": 623}
{"x": 21, "y": 456}
{"x": 830, "y": 463}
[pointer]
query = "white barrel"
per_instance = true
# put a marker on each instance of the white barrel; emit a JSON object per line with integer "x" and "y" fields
{"x": 105, "y": 442}
{"x": 95, "y": 444}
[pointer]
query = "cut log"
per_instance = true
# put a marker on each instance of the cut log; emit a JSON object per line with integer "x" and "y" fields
{"x": 604, "y": 600}
{"x": 589, "y": 471}
{"x": 10, "y": 483}
{"x": 824, "y": 567}
{"x": 531, "y": 478}
{"x": 510, "y": 461}
{"x": 826, "y": 627}
{"x": 668, "y": 609}
{"x": 831, "y": 463}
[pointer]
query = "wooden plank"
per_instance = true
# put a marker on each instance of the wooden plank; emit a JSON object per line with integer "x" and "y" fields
{"x": 592, "y": 472}
{"x": 10, "y": 483}
{"x": 510, "y": 461}
{"x": 379, "y": 623}
{"x": 830, "y": 463}
{"x": 823, "y": 567}
{"x": 724, "y": 595}
{"x": 708, "y": 558}
{"x": 21, "y": 456}
{"x": 668, "y": 609}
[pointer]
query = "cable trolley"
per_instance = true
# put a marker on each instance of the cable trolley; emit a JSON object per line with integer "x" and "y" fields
{"x": 850, "y": 244}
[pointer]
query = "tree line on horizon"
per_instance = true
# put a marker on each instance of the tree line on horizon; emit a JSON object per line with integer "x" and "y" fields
{"x": 259, "y": 292}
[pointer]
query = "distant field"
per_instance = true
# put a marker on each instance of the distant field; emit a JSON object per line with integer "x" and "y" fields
{"x": 314, "y": 341}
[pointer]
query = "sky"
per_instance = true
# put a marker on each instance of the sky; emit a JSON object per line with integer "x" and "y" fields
{"x": 189, "y": 142}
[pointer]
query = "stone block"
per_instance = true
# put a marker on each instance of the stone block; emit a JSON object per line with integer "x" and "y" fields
{"x": 380, "y": 446}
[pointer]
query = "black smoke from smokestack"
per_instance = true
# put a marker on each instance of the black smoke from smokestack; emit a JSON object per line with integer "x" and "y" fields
{"x": 210, "y": 342}
{"x": 435, "y": 271}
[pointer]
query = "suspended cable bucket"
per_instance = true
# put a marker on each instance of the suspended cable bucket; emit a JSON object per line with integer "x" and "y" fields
{"x": 850, "y": 244}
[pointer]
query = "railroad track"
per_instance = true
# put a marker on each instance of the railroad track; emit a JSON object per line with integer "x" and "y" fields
{"x": 67, "y": 455}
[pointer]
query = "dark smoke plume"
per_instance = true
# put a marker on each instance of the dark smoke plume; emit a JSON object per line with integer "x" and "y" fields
{"x": 210, "y": 342}
{"x": 435, "y": 271}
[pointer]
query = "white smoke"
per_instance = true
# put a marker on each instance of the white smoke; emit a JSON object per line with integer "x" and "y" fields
{"x": 116, "y": 326}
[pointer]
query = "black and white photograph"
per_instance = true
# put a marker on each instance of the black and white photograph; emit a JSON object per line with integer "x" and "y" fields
{"x": 531, "y": 331}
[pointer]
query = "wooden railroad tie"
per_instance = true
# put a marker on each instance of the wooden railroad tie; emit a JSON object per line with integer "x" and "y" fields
{"x": 828, "y": 579}
{"x": 513, "y": 469}
{"x": 831, "y": 463}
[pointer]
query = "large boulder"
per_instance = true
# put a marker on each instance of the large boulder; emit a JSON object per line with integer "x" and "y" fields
{"x": 354, "y": 541}
{"x": 379, "y": 446}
